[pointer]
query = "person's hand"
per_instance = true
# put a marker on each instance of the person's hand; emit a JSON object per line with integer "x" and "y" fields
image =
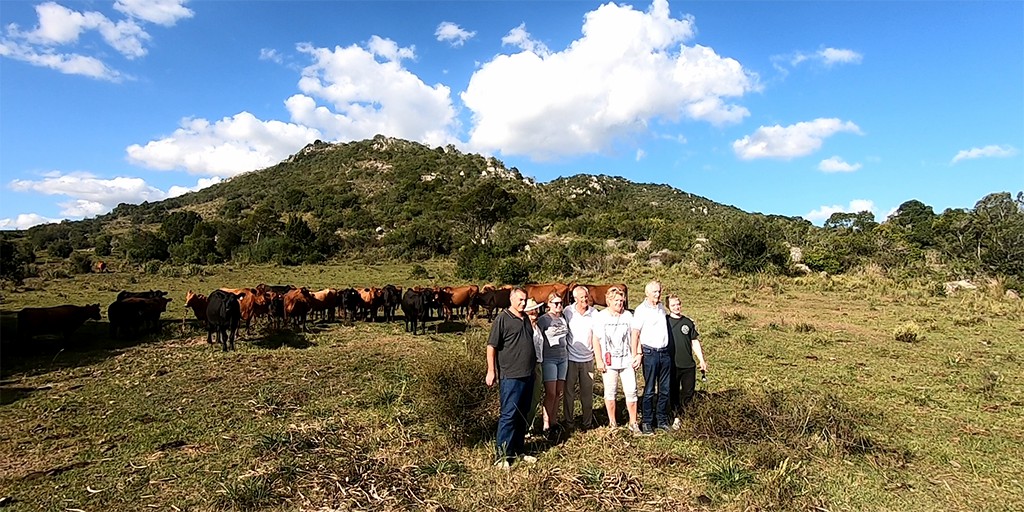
{"x": 490, "y": 379}
{"x": 703, "y": 366}
{"x": 600, "y": 367}
{"x": 637, "y": 359}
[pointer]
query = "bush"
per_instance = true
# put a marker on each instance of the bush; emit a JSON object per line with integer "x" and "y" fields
{"x": 907, "y": 333}
{"x": 60, "y": 249}
{"x": 79, "y": 263}
{"x": 512, "y": 271}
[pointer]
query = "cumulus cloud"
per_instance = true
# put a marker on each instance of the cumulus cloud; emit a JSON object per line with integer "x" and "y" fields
{"x": 791, "y": 141}
{"x": 25, "y": 221}
{"x": 454, "y": 34}
{"x": 991, "y": 151}
{"x": 161, "y": 12}
{"x": 856, "y": 206}
{"x": 89, "y": 195}
{"x": 832, "y": 56}
{"x": 365, "y": 96}
{"x": 628, "y": 68}
{"x": 227, "y": 147}
{"x": 836, "y": 164}
{"x": 59, "y": 26}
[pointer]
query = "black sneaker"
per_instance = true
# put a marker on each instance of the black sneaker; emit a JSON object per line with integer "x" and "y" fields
{"x": 646, "y": 429}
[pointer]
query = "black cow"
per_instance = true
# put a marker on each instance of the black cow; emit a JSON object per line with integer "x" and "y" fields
{"x": 134, "y": 315}
{"x": 416, "y": 306}
{"x": 494, "y": 300}
{"x": 151, "y": 294}
{"x": 391, "y": 298}
{"x": 348, "y": 303}
{"x": 223, "y": 314}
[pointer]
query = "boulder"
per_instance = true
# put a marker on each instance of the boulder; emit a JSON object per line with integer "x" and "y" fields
{"x": 954, "y": 286}
{"x": 1012, "y": 294}
{"x": 801, "y": 269}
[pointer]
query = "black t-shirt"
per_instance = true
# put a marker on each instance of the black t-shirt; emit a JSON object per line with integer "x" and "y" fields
{"x": 681, "y": 333}
{"x": 513, "y": 339}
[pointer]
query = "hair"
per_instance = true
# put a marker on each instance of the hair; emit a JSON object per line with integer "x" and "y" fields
{"x": 584, "y": 288}
{"x": 669, "y": 297}
{"x": 614, "y": 291}
{"x": 653, "y": 282}
{"x": 518, "y": 289}
{"x": 553, "y": 295}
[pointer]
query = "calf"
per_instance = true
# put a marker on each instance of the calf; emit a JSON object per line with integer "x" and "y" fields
{"x": 223, "y": 314}
{"x": 63, "y": 320}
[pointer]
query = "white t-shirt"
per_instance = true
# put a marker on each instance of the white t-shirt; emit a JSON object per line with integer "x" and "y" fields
{"x": 580, "y": 330}
{"x": 616, "y": 337}
{"x": 652, "y": 323}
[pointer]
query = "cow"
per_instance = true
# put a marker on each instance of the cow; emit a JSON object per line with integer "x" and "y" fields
{"x": 99, "y": 267}
{"x": 460, "y": 297}
{"x": 540, "y": 292}
{"x": 136, "y": 314}
{"x": 254, "y": 304}
{"x": 296, "y": 306}
{"x": 275, "y": 294}
{"x": 494, "y": 300}
{"x": 598, "y": 292}
{"x": 370, "y": 302}
{"x": 151, "y": 294}
{"x": 324, "y": 302}
{"x": 416, "y": 304}
{"x": 223, "y": 314}
{"x": 197, "y": 303}
{"x": 63, "y": 320}
{"x": 391, "y": 300}
{"x": 348, "y": 303}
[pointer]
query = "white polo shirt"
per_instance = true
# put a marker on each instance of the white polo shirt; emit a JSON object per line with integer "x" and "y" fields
{"x": 652, "y": 323}
{"x": 581, "y": 326}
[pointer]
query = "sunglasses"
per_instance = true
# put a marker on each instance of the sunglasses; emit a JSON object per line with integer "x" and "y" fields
{"x": 556, "y": 303}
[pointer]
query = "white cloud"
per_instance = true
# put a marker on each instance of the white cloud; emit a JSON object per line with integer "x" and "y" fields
{"x": 991, "y": 151}
{"x": 627, "y": 69}
{"x": 791, "y": 141}
{"x": 271, "y": 55}
{"x": 831, "y": 56}
{"x": 367, "y": 97}
{"x": 224, "y": 148}
{"x": 59, "y": 25}
{"x": 640, "y": 154}
{"x": 69, "y": 64}
{"x": 454, "y": 34}
{"x": 855, "y": 206}
{"x": 161, "y": 12}
{"x": 522, "y": 39}
{"x": 90, "y": 195}
{"x": 836, "y": 164}
{"x": 25, "y": 221}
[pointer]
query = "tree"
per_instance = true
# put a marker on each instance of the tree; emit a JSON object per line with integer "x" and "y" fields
{"x": 746, "y": 244}
{"x": 483, "y": 206}
{"x": 999, "y": 222}
{"x": 262, "y": 222}
{"x": 916, "y": 220}
{"x": 177, "y": 225}
{"x": 142, "y": 246}
{"x": 60, "y": 249}
{"x": 14, "y": 260}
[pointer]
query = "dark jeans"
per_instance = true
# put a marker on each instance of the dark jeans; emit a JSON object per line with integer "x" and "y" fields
{"x": 657, "y": 374}
{"x": 515, "y": 398}
{"x": 684, "y": 380}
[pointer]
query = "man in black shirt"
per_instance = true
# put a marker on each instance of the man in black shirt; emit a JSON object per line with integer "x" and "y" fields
{"x": 511, "y": 359}
{"x": 684, "y": 343}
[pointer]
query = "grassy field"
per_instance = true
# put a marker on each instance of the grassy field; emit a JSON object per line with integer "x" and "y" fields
{"x": 811, "y": 404}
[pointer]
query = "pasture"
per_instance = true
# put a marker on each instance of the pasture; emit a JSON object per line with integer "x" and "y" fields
{"x": 811, "y": 403}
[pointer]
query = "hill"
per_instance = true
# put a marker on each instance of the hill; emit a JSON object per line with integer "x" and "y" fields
{"x": 388, "y": 198}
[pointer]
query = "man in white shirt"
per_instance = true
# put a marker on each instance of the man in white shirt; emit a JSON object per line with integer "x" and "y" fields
{"x": 580, "y": 317}
{"x": 651, "y": 351}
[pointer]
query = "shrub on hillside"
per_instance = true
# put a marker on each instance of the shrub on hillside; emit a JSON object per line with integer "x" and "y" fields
{"x": 79, "y": 263}
{"x": 512, "y": 271}
{"x": 60, "y": 249}
{"x": 907, "y": 333}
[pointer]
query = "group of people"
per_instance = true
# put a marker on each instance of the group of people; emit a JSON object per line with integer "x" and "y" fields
{"x": 566, "y": 347}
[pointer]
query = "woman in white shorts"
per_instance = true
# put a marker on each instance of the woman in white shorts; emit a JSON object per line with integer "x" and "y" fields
{"x": 613, "y": 355}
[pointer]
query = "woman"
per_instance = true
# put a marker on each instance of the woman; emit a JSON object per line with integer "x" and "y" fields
{"x": 555, "y": 363}
{"x": 532, "y": 311}
{"x": 613, "y": 355}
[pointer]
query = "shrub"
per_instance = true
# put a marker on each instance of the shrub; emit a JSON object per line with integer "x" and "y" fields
{"x": 907, "y": 333}
{"x": 60, "y": 249}
{"x": 512, "y": 271}
{"x": 79, "y": 263}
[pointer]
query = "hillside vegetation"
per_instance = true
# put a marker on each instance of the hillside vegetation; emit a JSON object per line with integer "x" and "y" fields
{"x": 391, "y": 199}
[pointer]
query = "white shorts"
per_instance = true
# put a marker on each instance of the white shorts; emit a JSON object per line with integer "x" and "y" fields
{"x": 628, "y": 377}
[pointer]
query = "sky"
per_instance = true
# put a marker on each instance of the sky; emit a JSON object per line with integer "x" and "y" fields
{"x": 793, "y": 108}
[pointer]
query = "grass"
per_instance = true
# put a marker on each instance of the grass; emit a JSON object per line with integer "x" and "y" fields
{"x": 809, "y": 404}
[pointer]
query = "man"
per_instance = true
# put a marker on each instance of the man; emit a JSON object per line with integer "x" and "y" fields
{"x": 685, "y": 343}
{"x": 511, "y": 358}
{"x": 580, "y": 317}
{"x": 650, "y": 349}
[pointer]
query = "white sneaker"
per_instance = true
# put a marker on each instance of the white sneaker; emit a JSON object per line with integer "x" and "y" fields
{"x": 503, "y": 464}
{"x": 677, "y": 424}
{"x": 529, "y": 459}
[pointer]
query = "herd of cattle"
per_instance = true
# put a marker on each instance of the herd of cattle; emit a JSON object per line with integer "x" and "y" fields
{"x": 225, "y": 309}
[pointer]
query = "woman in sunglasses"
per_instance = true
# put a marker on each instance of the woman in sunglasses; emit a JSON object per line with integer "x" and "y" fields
{"x": 556, "y": 362}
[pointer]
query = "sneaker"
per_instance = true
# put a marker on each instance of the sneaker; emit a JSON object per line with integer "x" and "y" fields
{"x": 634, "y": 428}
{"x": 647, "y": 430}
{"x": 661, "y": 428}
{"x": 677, "y": 424}
{"x": 529, "y": 459}
{"x": 503, "y": 464}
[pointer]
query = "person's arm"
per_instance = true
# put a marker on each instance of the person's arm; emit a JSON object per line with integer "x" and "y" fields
{"x": 492, "y": 357}
{"x": 635, "y": 345}
{"x": 598, "y": 353}
{"x": 700, "y": 354}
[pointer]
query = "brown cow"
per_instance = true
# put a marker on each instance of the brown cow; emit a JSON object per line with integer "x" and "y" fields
{"x": 324, "y": 302}
{"x": 197, "y": 302}
{"x": 459, "y": 297}
{"x": 598, "y": 292}
{"x": 63, "y": 320}
{"x": 254, "y": 304}
{"x": 540, "y": 292}
{"x": 296, "y": 306}
{"x": 372, "y": 299}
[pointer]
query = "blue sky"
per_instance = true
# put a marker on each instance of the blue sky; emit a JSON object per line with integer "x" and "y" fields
{"x": 791, "y": 108}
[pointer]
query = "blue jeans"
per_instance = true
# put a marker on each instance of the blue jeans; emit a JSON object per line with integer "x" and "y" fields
{"x": 657, "y": 365}
{"x": 515, "y": 397}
